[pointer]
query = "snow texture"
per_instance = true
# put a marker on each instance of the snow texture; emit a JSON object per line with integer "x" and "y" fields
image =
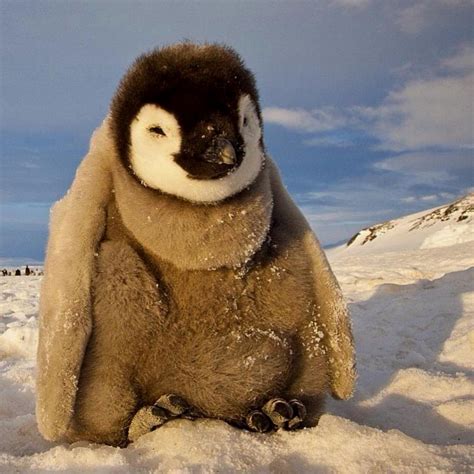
{"x": 413, "y": 410}
{"x": 439, "y": 227}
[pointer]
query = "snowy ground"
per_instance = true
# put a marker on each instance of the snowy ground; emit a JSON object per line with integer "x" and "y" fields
{"x": 413, "y": 410}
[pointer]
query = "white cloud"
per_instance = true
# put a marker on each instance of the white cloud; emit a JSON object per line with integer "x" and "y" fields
{"x": 439, "y": 197}
{"x": 329, "y": 141}
{"x": 435, "y": 111}
{"x": 427, "y": 166}
{"x": 462, "y": 61}
{"x": 429, "y": 198}
{"x": 316, "y": 120}
{"x": 351, "y": 3}
{"x": 420, "y": 14}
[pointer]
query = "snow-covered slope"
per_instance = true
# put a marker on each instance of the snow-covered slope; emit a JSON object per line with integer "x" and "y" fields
{"x": 438, "y": 227}
{"x": 413, "y": 317}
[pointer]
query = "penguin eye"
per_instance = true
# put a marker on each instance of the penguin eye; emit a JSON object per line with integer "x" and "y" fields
{"x": 157, "y": 130}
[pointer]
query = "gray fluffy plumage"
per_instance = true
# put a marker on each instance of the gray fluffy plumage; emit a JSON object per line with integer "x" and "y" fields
{"x": 225, "y": 305}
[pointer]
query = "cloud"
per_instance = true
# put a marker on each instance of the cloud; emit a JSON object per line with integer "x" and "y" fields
{"x": 462, "y": 61}
{"x": 329, "y": 141}
{"x": 434, "y": 111}
{"x": 316, "y": 120}
{"x": 439, "y": 197}
{"x": 421, "y": 14}
{"x": 351, "y": 3}
{"x": 428, "y": 167}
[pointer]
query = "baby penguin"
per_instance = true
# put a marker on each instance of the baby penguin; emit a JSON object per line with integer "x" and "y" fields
{"x": 197, "y": 287}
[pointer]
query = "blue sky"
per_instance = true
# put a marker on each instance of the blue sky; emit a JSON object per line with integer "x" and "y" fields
{"x": 367, "y": 104}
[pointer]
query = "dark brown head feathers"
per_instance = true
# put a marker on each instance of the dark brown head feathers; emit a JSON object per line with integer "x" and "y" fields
{"x": 192, "y": 81}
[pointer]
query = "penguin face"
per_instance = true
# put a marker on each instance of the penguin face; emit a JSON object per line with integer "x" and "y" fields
{"x": 195, "y": 133}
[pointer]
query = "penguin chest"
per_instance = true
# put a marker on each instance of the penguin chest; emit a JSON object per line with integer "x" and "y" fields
{"x": 232, "y": 310}
{"x": 228, "y": 333}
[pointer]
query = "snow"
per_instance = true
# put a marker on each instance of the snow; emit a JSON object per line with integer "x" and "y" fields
{"x": 413, "y": 411}
{"x": 438, "y": 227}
{"x": 449, "y": 235}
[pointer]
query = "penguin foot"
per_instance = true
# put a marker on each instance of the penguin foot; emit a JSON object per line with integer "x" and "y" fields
{"x": 299, "y": 414}
{"x": 173, "y": 404}
{"x": 259, "y": 422}
{"x": 275, "y": 414}
{"x": 151, "y": 417}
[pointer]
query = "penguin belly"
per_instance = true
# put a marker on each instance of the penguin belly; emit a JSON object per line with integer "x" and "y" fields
{"x": 230, "y": 341}
{"x": 226, "y": 340}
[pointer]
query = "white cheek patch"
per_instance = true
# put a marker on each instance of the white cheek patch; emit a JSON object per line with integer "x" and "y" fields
{"x": 251, "y": 132}
{"x": 152, "y": 156}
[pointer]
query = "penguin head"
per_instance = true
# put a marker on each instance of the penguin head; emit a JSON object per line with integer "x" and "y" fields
{"x": 186, "y": 121}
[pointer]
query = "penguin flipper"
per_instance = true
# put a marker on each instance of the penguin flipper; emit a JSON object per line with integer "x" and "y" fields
{"x": 333, "y": 316}
{"x": 77, "y": 225}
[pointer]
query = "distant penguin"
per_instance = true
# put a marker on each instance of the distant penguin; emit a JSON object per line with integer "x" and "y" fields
{"x": 27, "y": 271}
{"x": 181, "y": 280}
{"x": 17, "y": 272}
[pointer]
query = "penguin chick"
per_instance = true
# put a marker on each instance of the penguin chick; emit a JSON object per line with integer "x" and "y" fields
{"x": 199, "y": 288}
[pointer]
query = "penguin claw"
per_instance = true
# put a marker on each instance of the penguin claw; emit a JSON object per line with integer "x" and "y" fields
{"x": 279, "y": 411}
{"x": 299, "y": 414}
{"x": 172, "y": 403}
{"x": 192, "y": 413}
{"x": 275, "y": 414}
{"x": 259, "y": 422}
{"x": 151, "y": 417}
{"x": 145, "y": 420}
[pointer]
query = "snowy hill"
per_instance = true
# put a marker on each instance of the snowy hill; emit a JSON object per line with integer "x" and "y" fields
{"x": 413, "y": 410}
{"x": 437, "y": 227}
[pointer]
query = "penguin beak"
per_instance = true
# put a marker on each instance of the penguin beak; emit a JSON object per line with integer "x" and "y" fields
{"x": 221, "y": 152}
